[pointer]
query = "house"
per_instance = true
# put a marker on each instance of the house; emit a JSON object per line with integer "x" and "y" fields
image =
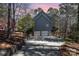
{"x": 43, "y": 24}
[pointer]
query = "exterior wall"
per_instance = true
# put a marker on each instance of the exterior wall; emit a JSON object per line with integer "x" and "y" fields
{"x": 42, "y": 23}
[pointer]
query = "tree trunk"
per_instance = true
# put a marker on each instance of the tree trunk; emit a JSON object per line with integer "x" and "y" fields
{"x": 13, "y": 16}
{"x": 78, "y": 19}
{"x": 66, "y": 23}
{"x": 9, "y": 17}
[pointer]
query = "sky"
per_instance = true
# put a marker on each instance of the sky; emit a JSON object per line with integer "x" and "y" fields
{"x": 44, "y": 6}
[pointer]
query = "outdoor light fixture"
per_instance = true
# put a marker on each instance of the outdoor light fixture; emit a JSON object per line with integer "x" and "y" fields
{"x": 47, "y": 25}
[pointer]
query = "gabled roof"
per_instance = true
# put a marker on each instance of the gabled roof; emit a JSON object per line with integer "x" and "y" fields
{"x": 42, "y": 13}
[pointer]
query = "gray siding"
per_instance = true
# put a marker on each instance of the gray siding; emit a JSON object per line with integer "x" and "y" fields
{"x": 42, "y": 22}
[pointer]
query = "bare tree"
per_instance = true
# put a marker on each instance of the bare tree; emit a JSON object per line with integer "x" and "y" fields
{"x": 69, "y": 13}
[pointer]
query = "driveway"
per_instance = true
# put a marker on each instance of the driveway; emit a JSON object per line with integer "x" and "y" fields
{"x": 44, "y": 46}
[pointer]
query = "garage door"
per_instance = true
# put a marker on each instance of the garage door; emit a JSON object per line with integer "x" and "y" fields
{"x": 44, "y": 33}
{"x": 41, "y": 33}
{"x": 37, "y": 33}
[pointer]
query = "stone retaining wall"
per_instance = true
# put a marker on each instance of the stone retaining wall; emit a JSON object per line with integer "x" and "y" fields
{"x": 69, "y": 50}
